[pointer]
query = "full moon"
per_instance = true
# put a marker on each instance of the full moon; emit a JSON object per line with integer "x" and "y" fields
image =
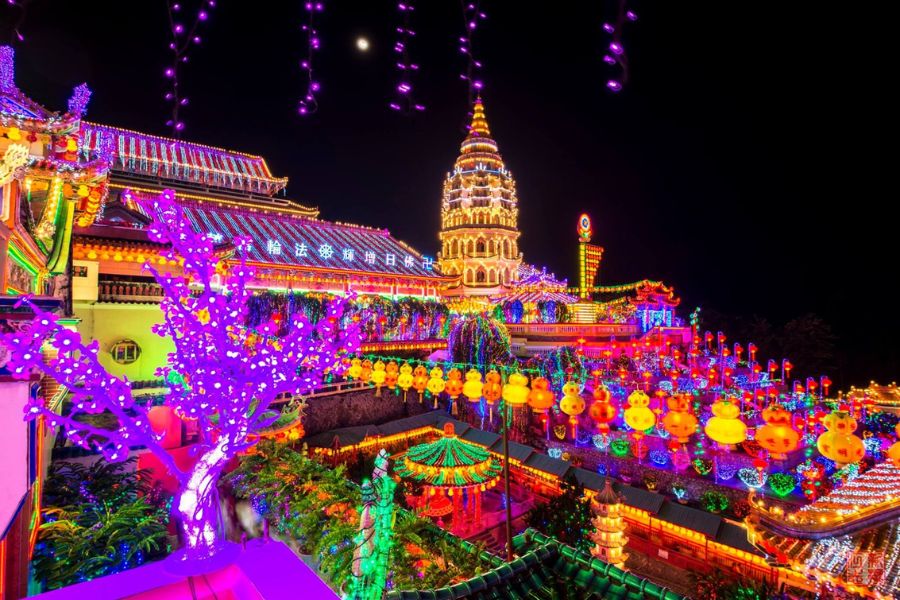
{"x": 362, "y": 44}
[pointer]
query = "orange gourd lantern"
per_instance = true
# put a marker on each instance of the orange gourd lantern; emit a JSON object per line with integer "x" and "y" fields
{"x": 602, "y": 411}
{"x": 366, "y": 372}
{"x": 894, "y": 451}
{"x": 725, "y": 426}
{"x": 541, "y": 398}
{"x": 777, "y": 436}
{"x": 454, "y": 385}
{"x": 838, "y": 443}
{"x": 355, "y": 369}
{"x": 420, "y": 381}
{"x": 679, "y": 421}
{"x": 492, "y": 388}
{"x": 393, "y": 375}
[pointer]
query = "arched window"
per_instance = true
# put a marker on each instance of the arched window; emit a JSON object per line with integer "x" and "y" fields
{"x": 492, "y": 276}
{"x": 468, "y": 277}
{"x": 496, "y": 220}
{"x": 505, "y": 248}
{"x": 480, "y": 276}
{"x": 479, "y": 247}
{"x": 454, "y": 248}
{"x": 471, "y": 248}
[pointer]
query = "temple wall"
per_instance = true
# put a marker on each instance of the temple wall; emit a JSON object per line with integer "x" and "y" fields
{"x": 360, "y": 408}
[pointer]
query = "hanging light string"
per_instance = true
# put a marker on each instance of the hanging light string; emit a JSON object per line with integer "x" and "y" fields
{"x": 183, "y": 39}
{"x": 472, "y": 14}
{"x": 615, "y": 56}
{"x": 403, "y": 93}
{"x": 15, "y": 34}
{"x": 308, "y": 105}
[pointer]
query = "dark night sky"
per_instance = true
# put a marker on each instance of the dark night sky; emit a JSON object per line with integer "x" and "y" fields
{"x": 738, "y": 164}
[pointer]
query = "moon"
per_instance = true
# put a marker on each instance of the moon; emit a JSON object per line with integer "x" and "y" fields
{"x": 362, "y": 44}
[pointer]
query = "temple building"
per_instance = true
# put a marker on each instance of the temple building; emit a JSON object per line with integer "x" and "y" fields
{"x": 479, "y": 217}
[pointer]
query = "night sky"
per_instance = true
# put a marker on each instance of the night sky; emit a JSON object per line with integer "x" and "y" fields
{"x": 738, "y": 165}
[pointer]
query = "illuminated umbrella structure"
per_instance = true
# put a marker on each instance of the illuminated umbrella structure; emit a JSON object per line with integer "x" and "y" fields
{"x": 451, "y": 469}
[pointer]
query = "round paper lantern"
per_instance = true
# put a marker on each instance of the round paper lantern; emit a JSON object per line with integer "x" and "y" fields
{"x": 571, "y": 402}
{"x": 473, "y": 387}
{"x": 638, "y": 416}
{"x": 454, "y": 385}
{"x": 777, "y": 436}
{"x": 355, "y": 369}
{"x": 541, "y": 398}
{"x": 435, "y": 383}
{"x": 838, "y": 443}
{"x": 515, "y": 392}
{"x": 379, "y": 375}
{"x": 679, "y": 421}
{"x": 492, "y": 388}
{"x": 724, "y": 426}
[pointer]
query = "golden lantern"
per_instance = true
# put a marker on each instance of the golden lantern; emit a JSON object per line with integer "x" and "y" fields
{"x": 435, "y": 383}
{"x": 679, "y": 421}
{"x": 379, "y": 375}
{"x": 838, "y": 443}
{"x": 366, "y": 372}
{"x": 515, "y": 392}
{"x": 541, "y": 398}
{"x": 571, "y": 402}
{"x": 473, "y": 386}
{"x": 420, "y": 381}
{"x": 355, "y": 369}
{"x": 638, "y": 416}
{"x": 725, "y": 426}
{"x": 777, "y": 436}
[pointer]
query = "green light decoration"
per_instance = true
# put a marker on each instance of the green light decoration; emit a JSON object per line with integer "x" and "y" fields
{"x": 448, "y": 463}
{"x": 782, "y": 484}
{"x": 481, "y": 341}
{"x": 373, "y": 543}
{"x": 620, "y": 447}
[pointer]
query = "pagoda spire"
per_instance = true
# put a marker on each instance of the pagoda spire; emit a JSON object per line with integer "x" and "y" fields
{"x": 479, "y": 126}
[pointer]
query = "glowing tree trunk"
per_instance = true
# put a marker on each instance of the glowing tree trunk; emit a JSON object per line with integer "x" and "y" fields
{"x": 222, "y": 374}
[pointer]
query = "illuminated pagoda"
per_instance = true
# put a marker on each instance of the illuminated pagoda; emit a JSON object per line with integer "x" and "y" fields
{"x": 535, "y": 297}
{"x": 453, "y": 472}
{"x": 609, "y": 526}
{"x": 479, "y": 216}
{"x": 848, "y": 539}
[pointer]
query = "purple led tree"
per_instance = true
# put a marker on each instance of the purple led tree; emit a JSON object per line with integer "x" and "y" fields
{"x": 230, "y": 374}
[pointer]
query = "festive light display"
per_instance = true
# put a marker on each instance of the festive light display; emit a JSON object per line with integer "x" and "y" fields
{"x": 615, "y": 56}
{"x": 609, "y": 526}
{"x": 230, "y": 375}
{"x": 308, "y": 104}
{"x": 638, "y": 416}
{"x": 726, "y": 427}
{"x": 183, "y": 40}
{"x": 777, "y": 436}
{"x": 679, "y": 421}
{"x": 479, "y": 340}
{"x": 472, "y": 15}
{"x": 404, "y": 100}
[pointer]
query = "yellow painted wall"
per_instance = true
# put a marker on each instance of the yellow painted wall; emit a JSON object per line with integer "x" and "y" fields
{"x": 110, "y": 323}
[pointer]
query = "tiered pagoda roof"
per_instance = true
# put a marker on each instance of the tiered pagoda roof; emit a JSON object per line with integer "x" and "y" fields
{"x": 449, "y": 462}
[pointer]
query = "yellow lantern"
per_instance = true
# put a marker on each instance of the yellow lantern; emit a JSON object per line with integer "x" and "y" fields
{"x": 639, "y": 416}
{"x": 838, "y": 443}
{"x": 435, "y": 384}
{"x": 515, "y": 392}
{"x": 725, "y": 427}
{"x": 405, "y": 378}
{"x": 679, "y": 421}
{"x": 14, "y": 134}
{"x": 83, "y": 191}
{"x": 71, "y": 145}
{"x": 355, "y": 370}
{"x": 571, "y": 402}
{"x": 777, "y": 436}
{"x": 473, "y": 386}
{"x": 378, "y": 376}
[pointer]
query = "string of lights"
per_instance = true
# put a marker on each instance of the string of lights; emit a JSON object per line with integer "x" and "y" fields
{"x": 309, "y": 105}
{"x": 404, "y": 100}
{"x": 183, "y": 39}
{"x": 472, "y": 14}
{"x": 615, "y": 55}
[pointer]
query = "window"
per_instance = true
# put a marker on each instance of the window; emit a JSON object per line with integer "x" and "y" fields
{"x": 480, "y": 246}
{"x": 80, "y": 271}
{"x": 125, "y": 352}
{"x": 479, "y": 277}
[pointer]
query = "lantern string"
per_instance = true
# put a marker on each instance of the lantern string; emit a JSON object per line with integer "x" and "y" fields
{"x": 472, "y": 14}
{"x": 309, "y": 104}
{"x": 404, "y": 100}
{"x": 183, "y": 39}
{"x": 616, "y": 57}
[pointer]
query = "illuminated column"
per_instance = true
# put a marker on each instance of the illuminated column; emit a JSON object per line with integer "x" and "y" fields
{"x": 589, "y": 257}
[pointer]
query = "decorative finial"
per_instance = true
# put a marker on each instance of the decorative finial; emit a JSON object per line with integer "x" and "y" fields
{"x": 81, "y": 95}
{"x": 7, "y": 69}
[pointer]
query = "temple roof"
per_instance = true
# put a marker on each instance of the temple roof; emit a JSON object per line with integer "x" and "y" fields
{"x": 544, "y": 569}
{"x": 478, "y": 149}
{"x": 139, "y": 154}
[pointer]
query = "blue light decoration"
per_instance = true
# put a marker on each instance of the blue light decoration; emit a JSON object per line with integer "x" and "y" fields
{"x": 601, "y": 441}
{"x": 554, "y": 452}
{"x": 659, "y": 457}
